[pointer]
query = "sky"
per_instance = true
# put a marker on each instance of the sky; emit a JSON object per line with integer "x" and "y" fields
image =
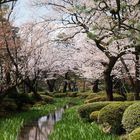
{"x": 24, "y": 12}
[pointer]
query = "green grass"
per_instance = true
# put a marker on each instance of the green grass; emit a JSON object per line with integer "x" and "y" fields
{"x": 10, "y": 126}
{"x": 71, "y": 127}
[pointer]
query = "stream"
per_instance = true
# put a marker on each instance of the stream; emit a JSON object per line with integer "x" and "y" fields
{"x": 41, "y": 128}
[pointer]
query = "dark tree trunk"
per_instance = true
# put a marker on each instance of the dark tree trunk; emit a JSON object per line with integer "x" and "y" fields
{"x": 108, "y": 78}
{"x": 51, "y": 85}
{"x": 33, "y": 87}
{"x": 69, "y": 86}
{"x": 8, "y": 78}
{"x": 128, "y": 73}
{"x": 74, "y": 86}
{"x": 26, "y": 88}
{"x": 65, "y": 86}
{"x": 95, "y": 88}
{"x": 36, "y": 95}
{"x": 108, "y": 85}
{"x": 65, "y": 83}
{"x": 10, "y": 91}
{"x": 84, "y": 85}
{"x": 137, "y": 81}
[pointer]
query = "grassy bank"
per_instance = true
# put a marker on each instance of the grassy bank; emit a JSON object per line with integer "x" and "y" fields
{"x": 10, "y": 126}
{"x": 73, "y": 128}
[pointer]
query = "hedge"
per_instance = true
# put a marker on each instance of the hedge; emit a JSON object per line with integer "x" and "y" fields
{"x": 86, "y": 109}
{"x": 111, "y": 116}
{"x": 135, "y": 134}
{"x": 98, "y": 98}
{"x": 131, "y": 117}
{"x": 94, "y": 116}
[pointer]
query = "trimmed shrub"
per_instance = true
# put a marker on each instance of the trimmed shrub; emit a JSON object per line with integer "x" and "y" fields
{"x": 72, "y": 94}
{"x": 47, "y": 99}
{"x": 93, "y": 95}
{"x": 9, "y": 105}
{"x": 98, "y": 98}
{"x": 130, "y": 96}
{"x": 94, "y": 116}
{"x": 38, "y": 104}
{"x": 124, "y": 137}
{"x": 135, "y": 134}
{"x": 25, "y": 107}
{"x": 83, "y": 95}
{"x": 24, "y": 98}
{"x": 118, "y": 97}
{"x": 131, "y": 117}
{"x": 42, "y": 93}
{"x": 85, "y": 110}
{"x": 59, "y": 95}
{"x": 111, "y": 116}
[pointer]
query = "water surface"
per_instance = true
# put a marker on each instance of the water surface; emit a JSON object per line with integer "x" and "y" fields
{"x": 40, "y": 129}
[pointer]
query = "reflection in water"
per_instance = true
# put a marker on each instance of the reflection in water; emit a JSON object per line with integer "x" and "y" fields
{"x": 39, "y": 130}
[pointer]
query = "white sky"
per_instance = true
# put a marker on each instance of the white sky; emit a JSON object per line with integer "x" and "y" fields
{"x": 25, "y": 12}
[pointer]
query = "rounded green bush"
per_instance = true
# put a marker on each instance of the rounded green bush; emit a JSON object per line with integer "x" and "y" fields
{"x": 111, "y": 116}
{"x": 135, "y": 134}
{"x": 72, "y": 94}
{"x": 94, "y": 116}
{"x": 25, "y": 107}
{"x": 85, "y": 110}
{"x": 47, "y": 98}
{"x": 24, "y": 98}
{"x": 131, "y": 117}
{"x": 118, "y": 97}
{"x": 83, "y": 95}
{"x": 130, "y": 96}
{"x": 98, "y": 98}
{"x": 38, "y": 104}
{"x": 59, "y": 95}
{"x": 10, "y": 106}
{"x": 94, "y": 95}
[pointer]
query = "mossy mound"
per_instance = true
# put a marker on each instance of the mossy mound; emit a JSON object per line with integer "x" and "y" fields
{"x": 131, "y": 117}
{"x": 47, "y": 98}
{"x": 84, "y": 95}
{"x": 59, "y": 95}
{"x": 94, "y": 116}
{"x": 102, "y": 97}
{"x": 72, "y": 94}
{"x": 111, "y": 116}
{"x": 93, "y": 95}
{"x": 9, "y": 105}
{"x": 85, "y": 110}
{"x": 135, "y": 134}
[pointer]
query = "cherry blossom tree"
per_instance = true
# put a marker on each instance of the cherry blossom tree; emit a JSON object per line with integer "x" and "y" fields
{"x": 6, "y": 1}
{"x": 8, "y": 44}
{"x": 106, "y": 23}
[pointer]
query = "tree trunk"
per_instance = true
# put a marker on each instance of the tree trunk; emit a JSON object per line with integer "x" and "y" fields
{"x": 84, "y": 85}
{"x": 128, "y": 73}
{"x": 137, "y": 74}
{"x": 108, "y": 78}
{"x": 10, "y": 91}
{"x": 8, "y": 78}
{"x": 33, "y": 87}
{"x": 51, "y": 85}
{"x": 36, "y": 95}
{"x": 65, "y": 86}
{"x": 108, "y": 85}
{"x": 65, "y": 82}
{"x": 95, "y": 88}
{"x": 69, "y": 86}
